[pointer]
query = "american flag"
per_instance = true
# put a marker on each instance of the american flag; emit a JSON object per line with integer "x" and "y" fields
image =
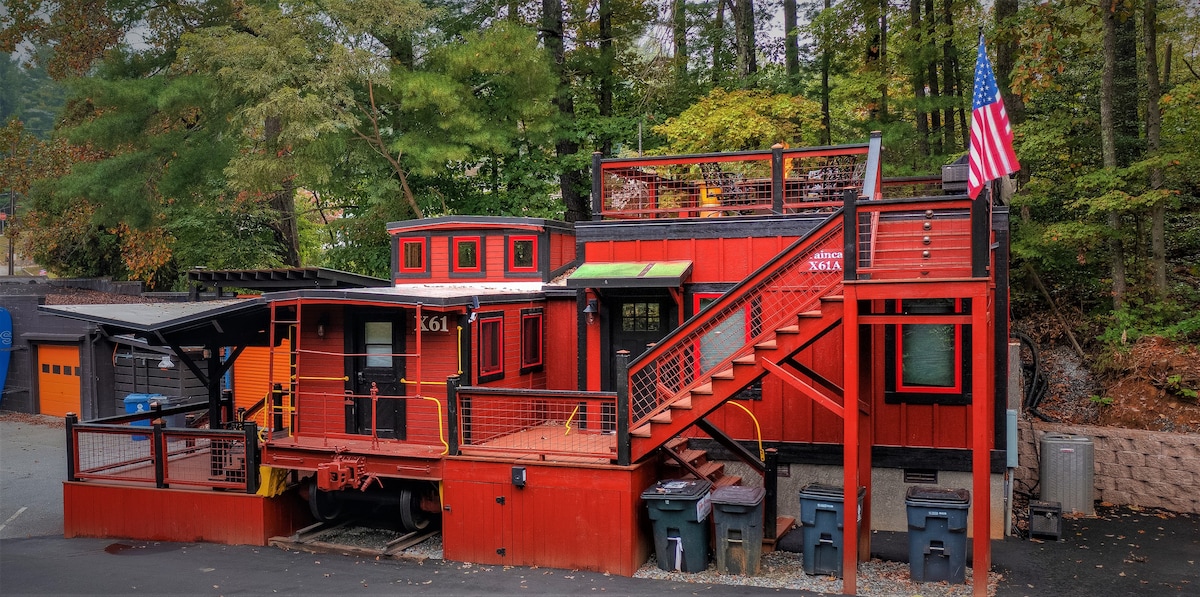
{"x": 991, "y": 154}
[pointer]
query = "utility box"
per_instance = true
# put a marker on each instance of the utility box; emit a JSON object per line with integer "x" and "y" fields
{"x": 821, "y": 522}
{"x": 679, "y": 512}
{"x": 937, "y": 533}
{"x": 738, "y": 518}
{"x": 1045, "y": 520}
{"x": 1067, "y": 475}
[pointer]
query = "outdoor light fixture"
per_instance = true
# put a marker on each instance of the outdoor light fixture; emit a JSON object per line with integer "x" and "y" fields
{"x": 591, "y": 311}
{"x": 166, "y": 362}
{"x": 321, "y": 328}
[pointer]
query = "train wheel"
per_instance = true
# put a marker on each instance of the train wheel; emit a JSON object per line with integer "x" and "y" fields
{"x": 323, "y": 504}
{"x": 412, "y": 517}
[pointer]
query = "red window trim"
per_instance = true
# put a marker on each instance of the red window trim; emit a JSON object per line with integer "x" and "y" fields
{"x": 541, "y": 343}
{"x": 455, "y": 242}
{"x": 699, "y": 296}
{"x": 484, "y": 323}
{"x": 958, "y": 368}
{"x": 512, "y": 253}
{"x": 424, "y": 243}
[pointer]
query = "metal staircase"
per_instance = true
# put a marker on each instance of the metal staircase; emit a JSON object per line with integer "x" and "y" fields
{"x": 749, "y": 332}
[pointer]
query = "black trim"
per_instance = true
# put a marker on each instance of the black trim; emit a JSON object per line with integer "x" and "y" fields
{"x": 893, "y": 396}
{"x": 581, "y": 340}
{"x": 397, "y": 243}
{"x": 792, "y": 225}
{"x": 428, "y": 224}
{"x": 1000, "y": 315}
{"x": 896, "y": 457}
{"x": 542, "y": 341}
{"x": 491, "y": 315}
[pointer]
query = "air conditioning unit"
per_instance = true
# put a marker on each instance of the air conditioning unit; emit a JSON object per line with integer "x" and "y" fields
{"x": 1067, "y": 473}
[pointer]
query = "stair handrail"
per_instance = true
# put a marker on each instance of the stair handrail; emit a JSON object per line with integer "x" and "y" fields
{"x": 677, "y": 345}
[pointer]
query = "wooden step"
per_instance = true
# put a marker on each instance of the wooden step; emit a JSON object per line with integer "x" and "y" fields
{"x": 711, "y": 469}
{"x": 833, "y": 298}
{"x": 811, "y": 315}
{"x": 675, "y": 443}
{"x": 643, "y": 431}
{"x": 791, "y": 329}
{"x": 690, "y": 456}
{"x": 727, "y": 480}
{"x": 723, "y": 374}
{"x": 767, "y": 345}
{"x": 682, "y": 404}
{"x": 702, "y": 390}
{"x": 749, "y": 359}
{"x": 663, "y": 417}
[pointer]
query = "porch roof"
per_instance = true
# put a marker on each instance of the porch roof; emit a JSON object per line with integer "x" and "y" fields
{"x": 435, "y": 295}
{"x": 631, "y": 274}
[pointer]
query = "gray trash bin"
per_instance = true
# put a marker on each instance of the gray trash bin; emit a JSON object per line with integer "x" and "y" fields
{"x": 679, "y": 512}
{"x": 821, "y": 522}
{"x": 738, "y": 518}
{"x": 937, "y": 533}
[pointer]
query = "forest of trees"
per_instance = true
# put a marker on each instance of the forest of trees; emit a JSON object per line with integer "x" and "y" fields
{"x": 148, "y": 137}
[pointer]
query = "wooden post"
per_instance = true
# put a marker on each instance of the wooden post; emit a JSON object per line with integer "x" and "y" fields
{"x": 452, "y": 414}
{"x": 72, "y": 446}
{"x": 849, "y": 235}
{"x": 621, "y": 368}
{"x": 771, "y": 499}
{"x": 597, "y": 186}
{"x": 250, "y": 428}
{"x": 850, "y": 440}
{"x": 777, "y": 178}
{"x": 158, "y": 453}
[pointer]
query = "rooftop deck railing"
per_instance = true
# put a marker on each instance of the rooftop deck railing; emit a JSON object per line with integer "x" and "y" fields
{"x": 777, "y": 181}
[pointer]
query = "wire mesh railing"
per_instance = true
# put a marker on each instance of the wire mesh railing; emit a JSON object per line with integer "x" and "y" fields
{"x": 163, "y": 457}
{"x": 742, "y": 183}
{"x": 729, "y": 328}
{"x": 542, "y": 422}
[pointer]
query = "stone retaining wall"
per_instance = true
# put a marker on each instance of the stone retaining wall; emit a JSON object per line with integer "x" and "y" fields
{"x": 1132, "y": 467}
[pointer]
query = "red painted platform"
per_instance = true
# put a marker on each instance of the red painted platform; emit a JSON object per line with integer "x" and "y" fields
{"x": 151, "y": 514}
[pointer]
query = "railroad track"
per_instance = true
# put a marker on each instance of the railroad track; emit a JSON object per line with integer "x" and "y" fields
{"x": 352, "y": 537}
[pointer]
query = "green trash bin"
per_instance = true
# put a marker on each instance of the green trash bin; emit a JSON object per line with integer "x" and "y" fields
{"x": 821, "y": 523}
{"x": 679, "y": 512}
{"x": 738, "y": 518}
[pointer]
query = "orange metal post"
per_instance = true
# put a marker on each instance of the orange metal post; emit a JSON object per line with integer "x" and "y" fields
{"x": 850, "y": 440}
{"x": 981, "y": 432}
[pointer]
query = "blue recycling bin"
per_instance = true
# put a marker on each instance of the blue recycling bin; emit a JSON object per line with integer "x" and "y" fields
{"x": 937, "y": 533}
{"x": 140, "y": 403}
{"x": 821, "y": 522}
{"x": 679, "y": 512}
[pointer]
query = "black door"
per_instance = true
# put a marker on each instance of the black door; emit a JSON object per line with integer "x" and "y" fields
{"x": 377, "y": 344}
{"x": 635, "y": 323}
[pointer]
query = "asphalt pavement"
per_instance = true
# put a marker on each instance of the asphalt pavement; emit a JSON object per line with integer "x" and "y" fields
{"x": 1121, "y": 551}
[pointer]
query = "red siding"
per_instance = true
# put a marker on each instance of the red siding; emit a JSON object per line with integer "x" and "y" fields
{"x": 513, "y": 378}
{"x": 714, "y": 260}
{"x": 587, "y": 518}
{"x": 150, "y": 514}
{"x": 562, "y": 344}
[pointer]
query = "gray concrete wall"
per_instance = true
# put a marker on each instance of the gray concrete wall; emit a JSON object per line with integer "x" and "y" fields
{"x": 888, "y": 512}
{"x": 1132, "y": 467}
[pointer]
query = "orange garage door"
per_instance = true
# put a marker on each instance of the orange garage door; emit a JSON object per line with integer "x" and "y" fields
{"x": 58, "y": 379}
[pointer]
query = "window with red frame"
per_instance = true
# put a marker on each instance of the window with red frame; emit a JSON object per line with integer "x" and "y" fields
{"x": 412, "y": 255}
{"x": 723, "y": 340}
{"x": 928, "y": 357}
{"x": 466, "y": 254}
{"x": 491, "y": 347}
{"x": 531, "y": 339}
{"x": 522, "y": 254}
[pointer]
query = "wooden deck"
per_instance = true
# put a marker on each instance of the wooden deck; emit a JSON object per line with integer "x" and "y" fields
{"x": 549, "y": 443}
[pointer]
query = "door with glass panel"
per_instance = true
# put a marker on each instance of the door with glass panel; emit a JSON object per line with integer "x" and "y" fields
{"x": 377, "y": 345}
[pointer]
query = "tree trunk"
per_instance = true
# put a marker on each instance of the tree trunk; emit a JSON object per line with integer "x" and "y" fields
{"x": 1109, "y": 152}
{"x": 883, "y": 65}
{"x": 569, "y": 179}
{"x": 718, "y": 39}
{"x": 791, "y": 47}
{"x": 935, "y": 96}
{"x": 283, "y": 201}
{"x": 1007, "y": 46}
{"x": 1158, "y": 247}
{"x": 743, "y": 22}
{"x": 679, "y": 37}
{"x": 918, "y": 79}
{"x": 949, "y": 54}
{"x": 607, "y": 61}
{"x": 826, "y": 120}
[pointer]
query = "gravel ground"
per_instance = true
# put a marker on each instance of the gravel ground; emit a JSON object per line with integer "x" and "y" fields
{"x": 783, "y": 570}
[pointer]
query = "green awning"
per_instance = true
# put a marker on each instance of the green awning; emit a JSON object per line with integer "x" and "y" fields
{"x": 630, "y": 274}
